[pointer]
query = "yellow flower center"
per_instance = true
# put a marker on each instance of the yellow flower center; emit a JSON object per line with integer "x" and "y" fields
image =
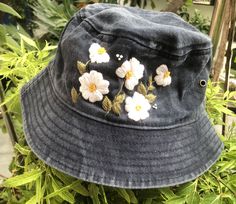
{"x": 138, "y": 108}
{"x": 92, "y": 87}
{"x": 129, "y": 74}
{"x": 101, "y": 50}
{"x": 166, "y": 74}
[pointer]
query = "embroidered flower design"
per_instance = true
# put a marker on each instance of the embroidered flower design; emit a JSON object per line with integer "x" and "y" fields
{"x": 137, "y": 107}
{"x": 93, "y": 86}
{"x": 163, "y": 77}
{"x": 98, "y": 54}
{"x": 132, "y": 71}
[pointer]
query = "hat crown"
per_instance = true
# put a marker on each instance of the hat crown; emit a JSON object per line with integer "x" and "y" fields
{"x": 129, "y": 53}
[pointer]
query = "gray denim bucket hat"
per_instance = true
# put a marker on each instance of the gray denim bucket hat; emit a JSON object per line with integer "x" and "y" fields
{"x": 122, "y": 103}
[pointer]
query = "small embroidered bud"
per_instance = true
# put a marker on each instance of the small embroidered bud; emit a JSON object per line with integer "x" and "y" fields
{"x": 150, "y": 82}
{"x": 74, "y": 95}
{"x": 81, "y": 67}
{"x": 151, "y": 98}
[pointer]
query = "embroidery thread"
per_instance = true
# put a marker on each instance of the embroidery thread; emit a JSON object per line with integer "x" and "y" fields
{"x": 93, "y": 86}
{"x": 98, "y": 54}
{"x": 163, "y": 77}
{"x": 137, "y": 107}
{"x": 131, "y": 71}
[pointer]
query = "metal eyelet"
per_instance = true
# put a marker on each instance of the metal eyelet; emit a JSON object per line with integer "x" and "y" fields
{"x": 202, "y": 83}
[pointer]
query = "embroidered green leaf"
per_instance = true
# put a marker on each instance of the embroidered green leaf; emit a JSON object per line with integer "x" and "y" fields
{"x": 81, "y": 67}
{"x": 119, "y": 98}
{"x": 74, "y": 95}
{"x": 106, "y": 104}
{"x": 150, "y": 82}
{"x": 116, "y": 108}
{"x": 151, "y": 98}
{"x": 142, "y": 89}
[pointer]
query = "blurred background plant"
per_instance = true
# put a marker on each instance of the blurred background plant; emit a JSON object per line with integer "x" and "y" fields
{"x": 23, "y": 56}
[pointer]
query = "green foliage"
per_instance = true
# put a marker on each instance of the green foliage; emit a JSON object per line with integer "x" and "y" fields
{"x": 52, "y": 16}
{"x": 7, "y": 9}
{"x": 197, "y": 20}
{"x": 19, "y": 65}
{"x": 217, "y": 101}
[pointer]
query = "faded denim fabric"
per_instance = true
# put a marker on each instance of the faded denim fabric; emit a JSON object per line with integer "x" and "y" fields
{"x": 176, "y": 144}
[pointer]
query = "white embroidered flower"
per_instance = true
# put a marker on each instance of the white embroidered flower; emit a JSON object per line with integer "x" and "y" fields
{"x": 163, "y": 77}
{"x": 98, "y": 54}
{"x": 137, "y": 107}
{"x": 132, "y": 71}
{"x": 93, "y": 86}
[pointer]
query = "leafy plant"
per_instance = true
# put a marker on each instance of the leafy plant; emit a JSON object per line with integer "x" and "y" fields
{"x": 52, "y": 16}
{"x": 7, "y": 9}
{"x": 217, "y": 102}
{"x": 197, "y": 19}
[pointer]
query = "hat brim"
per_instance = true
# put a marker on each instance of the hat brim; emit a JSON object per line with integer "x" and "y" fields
{"x": 105, "y": 154}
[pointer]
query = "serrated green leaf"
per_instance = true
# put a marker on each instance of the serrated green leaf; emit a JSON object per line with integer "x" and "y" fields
{"x": 81, "y": 67}
{"x": 7, "y": 9}
{"x": 106, "y": 104}
{"x": 25, "y": 178}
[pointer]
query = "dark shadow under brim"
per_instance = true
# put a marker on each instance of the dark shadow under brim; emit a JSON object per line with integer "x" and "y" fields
{"x": 110, "y": 155}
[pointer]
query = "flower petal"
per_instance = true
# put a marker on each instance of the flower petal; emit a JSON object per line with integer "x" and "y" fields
{"x": 161, "y": 69}
{"x": 95, "y": 96}
{"x": 86, "y": 94}
{"x": 102, "y": 86}
{"x": 167, "y": 81}
{"x": 134, "y": 115}
{"x": 159, "y": 79}
{"x": 131, "y": 83}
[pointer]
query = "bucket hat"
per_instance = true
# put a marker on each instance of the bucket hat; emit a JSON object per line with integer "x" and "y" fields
{"x": 123, "y": 102}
